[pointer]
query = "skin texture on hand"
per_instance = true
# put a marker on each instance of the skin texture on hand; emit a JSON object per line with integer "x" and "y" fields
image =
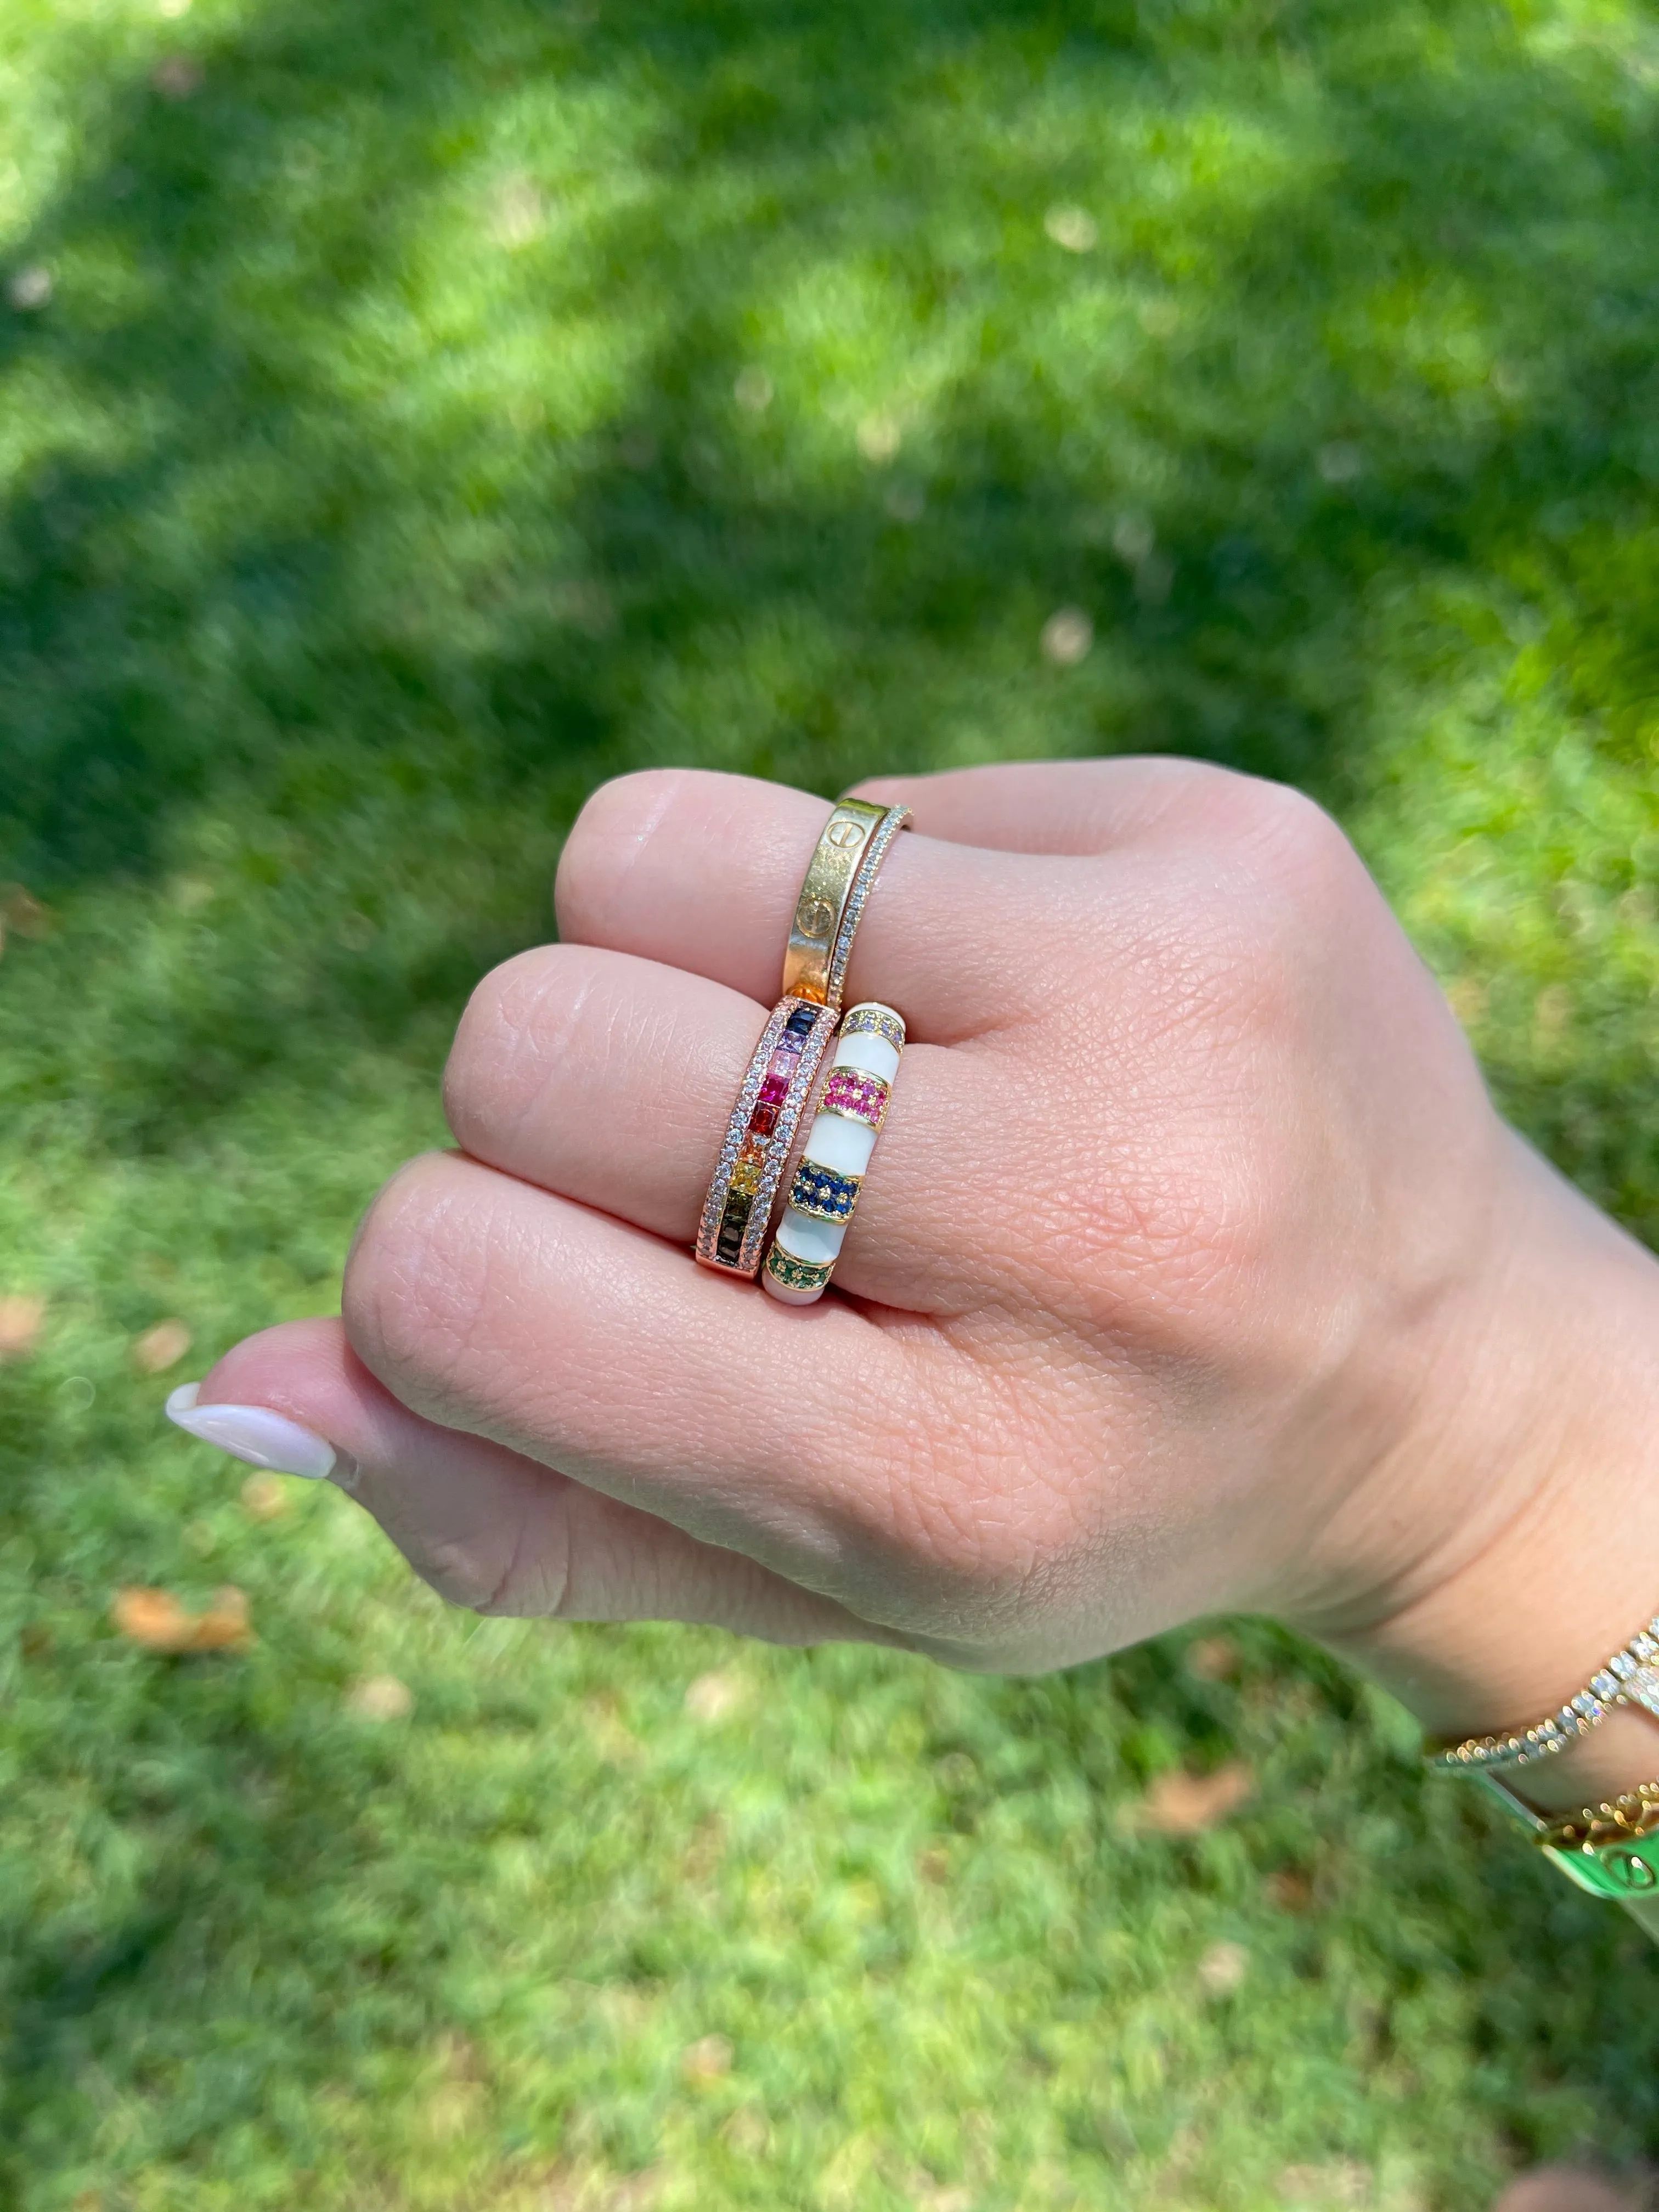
{"x": 1194, "y": 1271}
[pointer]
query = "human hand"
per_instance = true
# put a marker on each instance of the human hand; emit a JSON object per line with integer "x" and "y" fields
{"x": 1194, "y": 1270}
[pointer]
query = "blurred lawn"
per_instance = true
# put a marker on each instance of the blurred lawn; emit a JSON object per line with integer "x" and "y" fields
{"x": 411, "y": 414}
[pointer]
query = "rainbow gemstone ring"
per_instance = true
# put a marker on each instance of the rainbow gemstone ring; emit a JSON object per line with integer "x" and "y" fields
{"x": 803, "y": 1254}
{"x": 737, "y": 1210}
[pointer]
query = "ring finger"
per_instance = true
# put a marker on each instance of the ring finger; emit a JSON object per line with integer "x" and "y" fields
{"x": 609, "y": 1079}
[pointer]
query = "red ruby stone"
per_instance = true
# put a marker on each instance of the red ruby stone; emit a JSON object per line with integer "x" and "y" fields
{"x": 764, "y": 1119}
{"x": 774, "y": 1090}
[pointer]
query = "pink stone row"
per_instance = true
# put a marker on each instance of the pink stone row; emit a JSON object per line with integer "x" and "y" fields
{"x": 860, "y": 1097}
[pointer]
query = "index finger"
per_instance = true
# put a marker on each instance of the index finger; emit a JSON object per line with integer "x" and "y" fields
{"x": 488, "y": 1306}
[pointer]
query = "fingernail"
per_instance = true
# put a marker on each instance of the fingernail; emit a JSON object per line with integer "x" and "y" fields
{"x": 255, "y": 1434}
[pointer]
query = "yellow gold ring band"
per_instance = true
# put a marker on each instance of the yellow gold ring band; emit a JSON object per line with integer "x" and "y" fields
{"x": 839, "y": 878}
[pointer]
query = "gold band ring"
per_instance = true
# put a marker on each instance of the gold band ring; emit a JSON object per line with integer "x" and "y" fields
{"x": 731, "y": 1235}
{"x": 839, "y": 878}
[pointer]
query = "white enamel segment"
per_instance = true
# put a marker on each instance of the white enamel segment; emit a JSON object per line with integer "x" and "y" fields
{"x": 804, "y": 1237}
{"x": 837, "y": 1143}
{"x": 869, "y": 1052}
{"x": 843, "y": 1146}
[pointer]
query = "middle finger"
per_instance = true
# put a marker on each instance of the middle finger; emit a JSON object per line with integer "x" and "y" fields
{"x": 701, "y": 871}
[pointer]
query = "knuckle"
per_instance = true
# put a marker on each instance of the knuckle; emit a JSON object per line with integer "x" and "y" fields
{"x": 1297, "y": 828}
{"x": 1270, "y": 889}
{"x": 606, "y": 840}
{"x": 1277, "y": 845}
{"x": 512, "y": 1038}
{"x": 1295, "y": 852}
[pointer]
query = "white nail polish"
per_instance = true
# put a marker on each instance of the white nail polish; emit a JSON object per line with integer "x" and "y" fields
{"x": 253, "y": 1433}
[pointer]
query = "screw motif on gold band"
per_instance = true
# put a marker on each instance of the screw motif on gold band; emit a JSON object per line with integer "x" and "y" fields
{"x": 839, "y": 877}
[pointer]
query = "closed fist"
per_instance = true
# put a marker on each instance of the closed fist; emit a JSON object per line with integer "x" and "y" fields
{"x": 1170, "y": 1289}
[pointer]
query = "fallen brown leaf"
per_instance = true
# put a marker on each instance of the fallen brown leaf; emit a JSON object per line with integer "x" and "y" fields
{"x": 380, "y": 1697}
{"x": 152, "y": 1617}
{"x": 161, "y": 1348}
{"x": 1182, "y": 1804}
{"x": 21, "y": 914}
{"x": 1223, "y": 1968}
{"x": 265, "y": 1497}
{"x": 1566, "y": 2189}
{"x": 20, "y": 1325}
{"x": 1212, "y": 1658}
{"x": 224, "y": 1625}
{"x": 706, "y": 2061}
{"x": 156, "y": 1620}
{"x": 175, "y": 77}
{"x": 1067, "y": 635}
{"x": 930, "y": 2196}
{"x": 1290, "y": 1889}
{"x": 715, "y": 1697}
{"x": 747, "y": 2131}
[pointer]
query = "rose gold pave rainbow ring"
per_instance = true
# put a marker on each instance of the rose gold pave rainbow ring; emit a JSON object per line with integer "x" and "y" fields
{"x": 731, "y": 1235}
{"x": 827, "y": 1183}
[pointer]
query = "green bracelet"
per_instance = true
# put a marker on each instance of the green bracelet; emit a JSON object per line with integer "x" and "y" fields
{"x": 1624, "y": 1868}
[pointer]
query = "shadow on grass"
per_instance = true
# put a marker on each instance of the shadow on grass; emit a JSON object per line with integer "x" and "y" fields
{"x": 310, "y": 1933}
{"x": 386, "y": 486}
{"x": 1360, "y": 317}
{"x": 384, "y": 481}
{"x": 385, "y": 465}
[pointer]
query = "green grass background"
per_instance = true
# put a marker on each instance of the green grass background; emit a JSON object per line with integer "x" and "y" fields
{"x": 373, "y": 482}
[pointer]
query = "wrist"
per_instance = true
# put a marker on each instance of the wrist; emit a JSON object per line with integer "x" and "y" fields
{"x": 1544, "y": 1437}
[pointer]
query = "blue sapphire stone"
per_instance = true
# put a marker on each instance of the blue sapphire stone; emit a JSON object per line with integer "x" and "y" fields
{"x": 822, "y": 1191}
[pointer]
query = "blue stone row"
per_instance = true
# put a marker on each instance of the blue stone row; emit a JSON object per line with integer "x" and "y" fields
{"x": 821, "y": 1192}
